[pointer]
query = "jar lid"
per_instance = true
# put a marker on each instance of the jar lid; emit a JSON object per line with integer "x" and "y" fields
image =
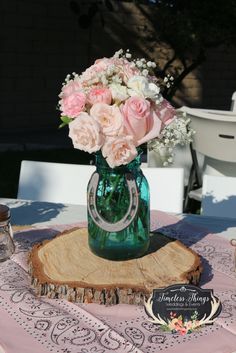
{"x": 4, "y": 213}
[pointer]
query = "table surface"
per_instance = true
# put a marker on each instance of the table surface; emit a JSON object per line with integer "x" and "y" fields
{"x": 55, "y": 325}
{"x": 47, "y": 213}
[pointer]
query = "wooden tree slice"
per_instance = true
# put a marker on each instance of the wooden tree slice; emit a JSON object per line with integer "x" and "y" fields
{"x": 65, "y": 267}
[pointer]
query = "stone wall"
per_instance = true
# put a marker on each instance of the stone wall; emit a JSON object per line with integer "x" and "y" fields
{"x": 41, "y": 42}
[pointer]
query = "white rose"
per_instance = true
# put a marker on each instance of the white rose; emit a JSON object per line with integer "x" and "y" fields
{"x": 137, "y": 85}
{"x": 119, "y": 93}
{"x": 140, "y": 86}
{"x": 152, "y": 91}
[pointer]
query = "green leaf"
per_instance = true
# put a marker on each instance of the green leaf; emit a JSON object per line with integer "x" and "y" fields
{"x": 62, "y": 125}
{"x": 66, "y": 119}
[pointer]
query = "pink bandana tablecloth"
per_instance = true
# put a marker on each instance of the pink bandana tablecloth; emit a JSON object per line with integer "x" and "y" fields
{"x": 29, "y": 324}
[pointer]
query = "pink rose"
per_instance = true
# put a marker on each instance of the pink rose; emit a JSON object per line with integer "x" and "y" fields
{"x": 119, "y": 150}
{"x": 137, "y": 117}
{"x": 165, "y": 112}
{"x": 99, "y": 95}
{"x": 91, "y": 73}
{"x": 70, "y": 87}
{"x": 109, "y": 117}
{"x": 126, "y": 68}
{"x": 72, "y": 105}
{"x": 154, "y": 131}
{"x": 85, "y": 133}
{"x": 141, "y": 121}
{"x": 102, "y": 64}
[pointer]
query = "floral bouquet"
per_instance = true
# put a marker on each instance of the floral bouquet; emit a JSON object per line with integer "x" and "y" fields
{"x": 112, "y": 108}
{"x": 115, "y": 106}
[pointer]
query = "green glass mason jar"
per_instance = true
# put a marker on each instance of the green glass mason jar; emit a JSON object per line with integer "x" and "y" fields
{"x": 118, "y": 210}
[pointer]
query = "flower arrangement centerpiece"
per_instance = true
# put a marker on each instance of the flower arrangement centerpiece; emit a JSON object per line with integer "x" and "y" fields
{"x": 112, "y": 108}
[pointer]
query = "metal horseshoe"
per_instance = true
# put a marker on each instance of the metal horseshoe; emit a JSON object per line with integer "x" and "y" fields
{"x": 128, "y": 217}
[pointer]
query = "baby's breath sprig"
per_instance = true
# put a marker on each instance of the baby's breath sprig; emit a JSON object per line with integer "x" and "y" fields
{"x": 168, "y": 80}
{"x": 178, "y": 132}
{"x": 146, "y": 67}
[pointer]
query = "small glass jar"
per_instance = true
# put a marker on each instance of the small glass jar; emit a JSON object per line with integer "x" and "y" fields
{"x": 7, "y": 246}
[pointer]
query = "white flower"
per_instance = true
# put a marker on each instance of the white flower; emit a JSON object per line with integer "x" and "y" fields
{"x": 158, "y": 99}
{"x": 145, "y": 72}
{"x": 104, "y": 80}
{"x": 140, "y": 86}
{"x": 176, "y": 133}
{"x": 139, "y": 63}
{"x": 118, "y": 53}
{"x": 110, "y": 70}
{"x": 119, "y": 93}
{"x": 137, "y": 85}
{"x": 116, "y": 79}
{"x": 154, "y": 91}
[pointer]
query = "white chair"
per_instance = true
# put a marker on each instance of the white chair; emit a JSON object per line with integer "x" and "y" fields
{"x": 215, "y": 138}
{"x": 166, "y": 188}
{"x": 67, "y": 183}
{"x": 54, "y": 182}
{"x": 233, "y": 102}
{"x": 219, "y": 196}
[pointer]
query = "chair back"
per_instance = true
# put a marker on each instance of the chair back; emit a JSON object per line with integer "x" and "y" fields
{"x": 166, "y": 188}
{"x": 215, "y": 140}
{"x": 215, "y": 135}
{"x": 233, "y": 102}
{"x": 67, "y": 183}
{"x": 54, "y": 182}
{"x": 219, "y": 196}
